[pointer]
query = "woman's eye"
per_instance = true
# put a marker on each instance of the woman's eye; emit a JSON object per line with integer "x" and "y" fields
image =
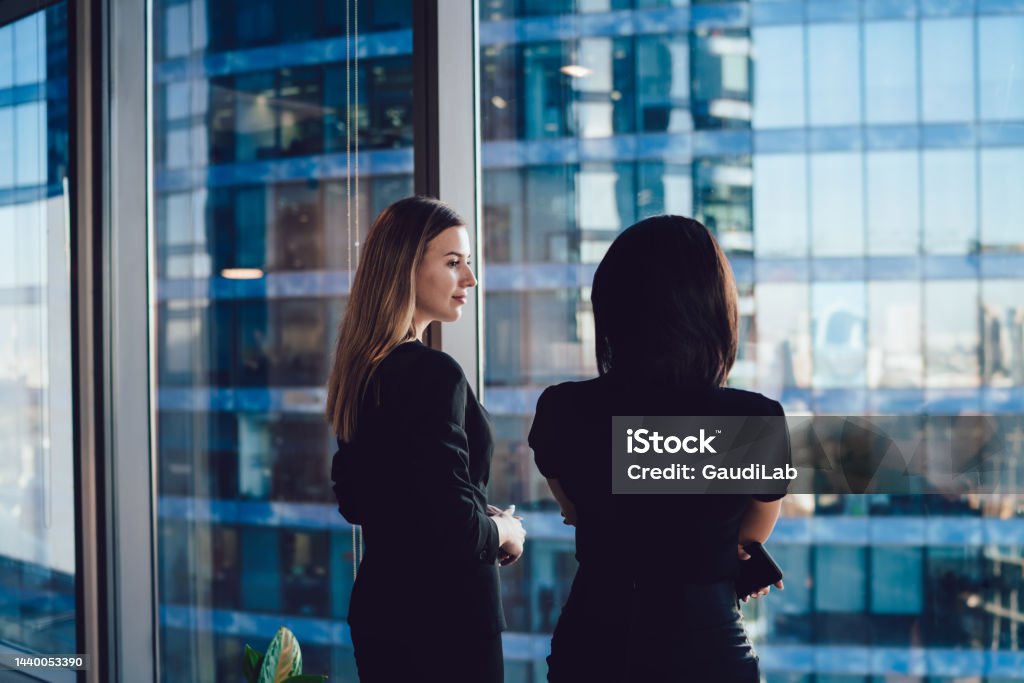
{"x": 452, "y": 264}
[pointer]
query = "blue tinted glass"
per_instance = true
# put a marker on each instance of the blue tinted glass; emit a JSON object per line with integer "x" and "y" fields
{"x": 893, "y": 202}
{"x": 833, "y": 88}
{"x": 896, "y": 580}
{"x": 839, "y": 334}
{"x": 890, "y": 71}
{"x": 951, "y": 334}
{"x": 840, "y": 573}
{"x": 780, "y": 205}
{"x": 895, "y": 357}
{"x": 950, "y": 204}
{"x": 6, "y": 56}
{"x": 37, "y": 451}
{"x": 1002, "y": 202}
{"x": 7, "y": 142}
{"x": 778, "y": 99}
{"x": 1002, "y": 329}
{"x": 837, "y": 204}
{"x": 947, "y": 70}
{"x": 1000, "y": 55}
{"x": 30, "y": 49}
{"x": 663, "y": 83}
{"x": 783, "y": 316}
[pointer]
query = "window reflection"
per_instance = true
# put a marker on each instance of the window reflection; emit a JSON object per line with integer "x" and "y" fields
{"x": 1000, "y": 44}
{"x": 37, "y": 453}
{"x": 723, "y": 201}
{"x": 663, "y": 84}
{"x": 947, "y": 70}
{"x": 721, "y": 79}
{"x": 250, "y": 173}
{"x": 1002, "y": 171}
{"x": 837, "y": 204}
{"x": 780, "y": 205}
{"x": 832, "y": 76}
{"x": 890, "y": 71}
{"x": 893, "y": 202}
{"x": 951, "y": 334}
{"x": 839, "y": 333}
{"x": 1002, "y": 333}
{"x": 783, "y": 336}
{"x": 950, "y": 204}
{"x": 779, "y": 76}
{"x": 894, "y": 335}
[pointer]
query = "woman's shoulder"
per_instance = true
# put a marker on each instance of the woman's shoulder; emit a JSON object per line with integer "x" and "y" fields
{"x": 420, "y": 360}
{"x": 569, "y": 395}
{"x": 746, "y": 402}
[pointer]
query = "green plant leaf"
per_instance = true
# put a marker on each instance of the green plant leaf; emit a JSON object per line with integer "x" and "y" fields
{"x": 306, "y": 678}
{"x": 251, "y": 665}
{"x": 282, "y": 659}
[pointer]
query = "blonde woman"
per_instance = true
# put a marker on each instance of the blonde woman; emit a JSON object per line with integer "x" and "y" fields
{"x": 414, "y": 454}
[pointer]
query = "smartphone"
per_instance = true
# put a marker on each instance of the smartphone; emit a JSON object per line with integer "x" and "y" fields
{"x": 757, "y": 572}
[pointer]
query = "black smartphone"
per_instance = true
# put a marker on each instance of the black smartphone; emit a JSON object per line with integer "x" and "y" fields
{"x": 757, "y": 572}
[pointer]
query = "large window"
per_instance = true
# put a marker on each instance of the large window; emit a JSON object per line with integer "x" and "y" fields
{"x": 37, "y": 495}
{"x": 259, "y": 108}
{"x": 859, "y": 163}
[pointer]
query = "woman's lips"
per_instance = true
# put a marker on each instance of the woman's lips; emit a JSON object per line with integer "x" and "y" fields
{"x": 460, "y": 299}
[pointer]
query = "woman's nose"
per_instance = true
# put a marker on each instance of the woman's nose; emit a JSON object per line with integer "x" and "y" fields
{"x": 468, "y": 279}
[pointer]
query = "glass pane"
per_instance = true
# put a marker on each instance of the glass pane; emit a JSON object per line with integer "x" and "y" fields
{"x": 832, "y": 94}
{"x": 780, "y": 205}
{"x": 37, "y": 494}
{"x": 950, "y": 201}
{"x": 947, "y": 70}
{"x": 837, "y": 204}
{"x": 663, "y": 84}
{"x": 894, "y": 334}
{"x": 876, "y": 250}
{"x": 951, "y": 334}
{"x": 1002, "y": 204}
{"x": 1000, "y": 49}
{"x": 890, "y": 72}
{"x": 779, "y": 76}
{"x": 257, "y": 227}
{"x": 1002, "y": 303}
{"x": 893, "y": 202}
{"x": 839, "y": 331}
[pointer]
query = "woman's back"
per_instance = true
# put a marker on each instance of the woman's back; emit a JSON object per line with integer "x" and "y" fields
{"x": 422, "y": 447}
{"x": 689, "y": 537}
{"x": 653, "y": 569}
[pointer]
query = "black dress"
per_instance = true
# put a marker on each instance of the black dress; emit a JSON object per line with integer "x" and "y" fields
{"x": 426, "y": 603}
{"x": 654, "y": 592}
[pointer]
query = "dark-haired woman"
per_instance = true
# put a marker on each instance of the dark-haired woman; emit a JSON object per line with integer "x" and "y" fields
{"x": 654, "y": 595}
{"x": 414, "y": 454}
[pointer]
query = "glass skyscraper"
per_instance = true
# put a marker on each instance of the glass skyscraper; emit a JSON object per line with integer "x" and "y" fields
{"x": 859, "y": 160}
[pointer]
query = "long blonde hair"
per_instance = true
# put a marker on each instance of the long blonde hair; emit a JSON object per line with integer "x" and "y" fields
{"x": 381, "y": 304}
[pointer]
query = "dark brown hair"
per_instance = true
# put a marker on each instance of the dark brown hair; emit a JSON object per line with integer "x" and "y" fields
{"x": 381, "y": 304}
{"x": 665, "y": 308}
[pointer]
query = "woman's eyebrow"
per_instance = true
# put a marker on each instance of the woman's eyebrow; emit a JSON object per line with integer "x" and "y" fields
{"x": 455, "y": 253}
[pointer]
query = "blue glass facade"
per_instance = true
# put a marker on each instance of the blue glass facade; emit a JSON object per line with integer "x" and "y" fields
{"x": 37, "y": 534}
{"x": 858, "y": 160}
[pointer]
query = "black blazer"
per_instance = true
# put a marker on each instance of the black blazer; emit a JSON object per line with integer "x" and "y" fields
{"x": 414, "y": 476}
{"x": 691, "y": 537}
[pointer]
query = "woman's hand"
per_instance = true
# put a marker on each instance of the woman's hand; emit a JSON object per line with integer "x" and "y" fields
{"x": 511, "y": 534}
{"x": 744, "y": 555}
